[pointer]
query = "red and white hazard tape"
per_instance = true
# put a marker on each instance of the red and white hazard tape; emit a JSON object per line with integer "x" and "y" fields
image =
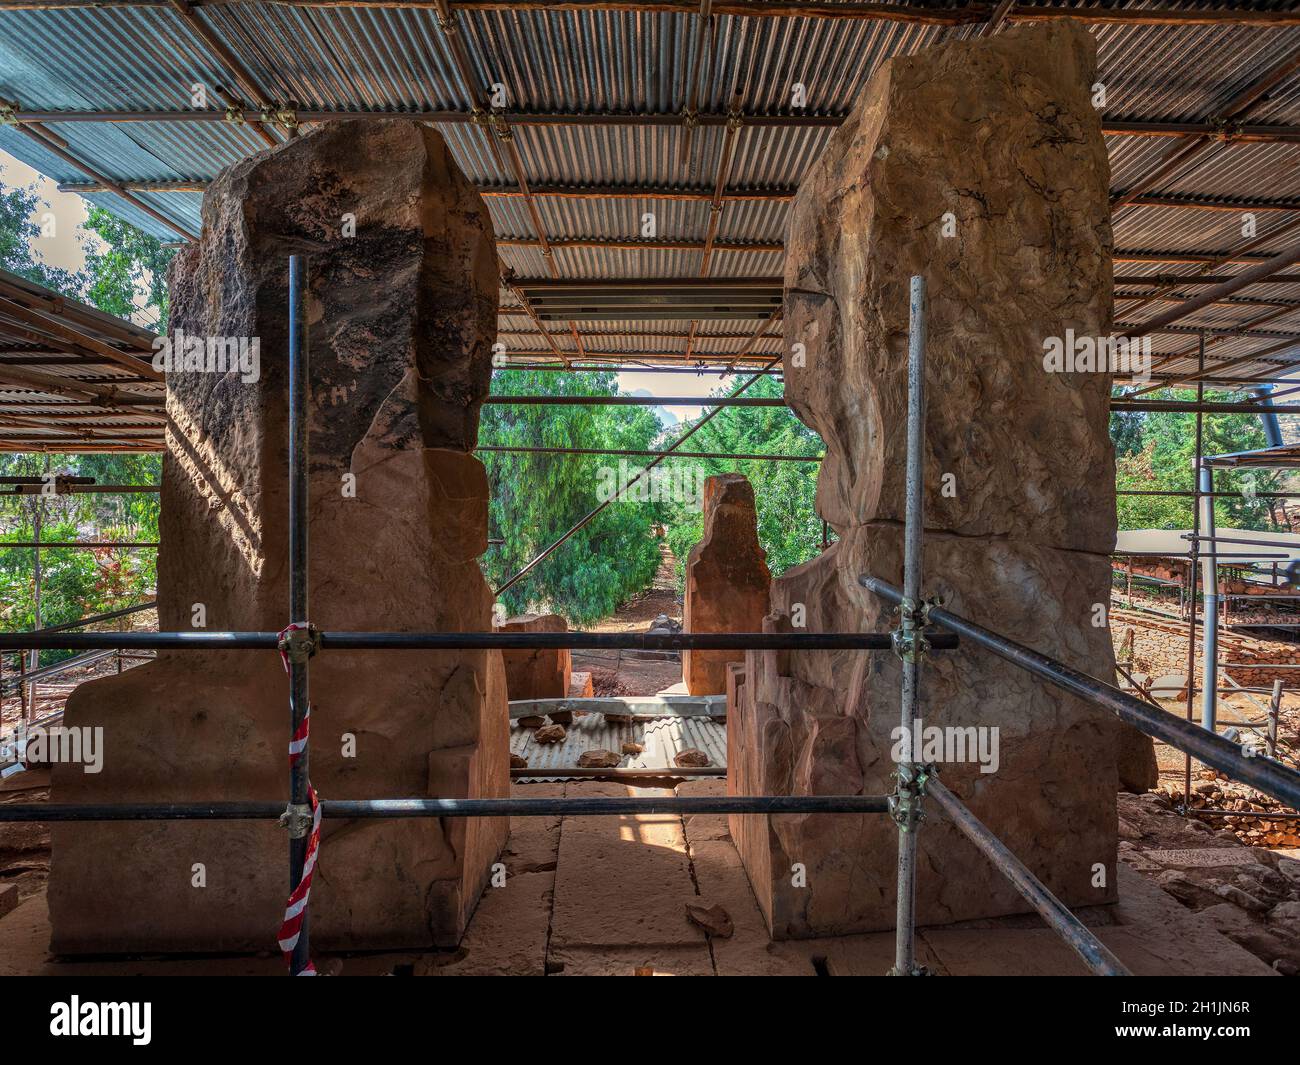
{"x": 295, "y": 909}
{"x": 297, "y": 626}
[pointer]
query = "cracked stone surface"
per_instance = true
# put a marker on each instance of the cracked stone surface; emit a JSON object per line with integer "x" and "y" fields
{"x": 401, "y": 319}
{"x": 727, "y": 580}
{"x": 999, "y": 135}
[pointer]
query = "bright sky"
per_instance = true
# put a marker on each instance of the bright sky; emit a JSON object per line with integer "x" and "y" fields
{"x": 62, "y": 248}
{"x": 66, "y": 244}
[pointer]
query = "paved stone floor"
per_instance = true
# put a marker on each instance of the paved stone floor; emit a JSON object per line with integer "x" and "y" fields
{"x": 607, "y": 896}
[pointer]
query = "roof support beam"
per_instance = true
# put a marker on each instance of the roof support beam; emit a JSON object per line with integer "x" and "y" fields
{"x": 46, "y": 140}
{"x": 246, "y": 82}
{"x": 1250, "y": 276}
{"x": 105, "y": 395}
{"x": 1222, "y": 129}
{"x": 501, "y": 141}
{"x": 45, "y": 324}
{"x": 651, "y": 192}
{"x": 771, "y": 9}
{"x": 1177, "y": 159}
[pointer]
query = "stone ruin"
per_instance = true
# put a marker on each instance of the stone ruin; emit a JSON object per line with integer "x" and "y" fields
{"x": 727, "y": 580}
{"x": 539, "y": 672}
{"x": 401, "y": 317}
{"x": 981, "y": 166}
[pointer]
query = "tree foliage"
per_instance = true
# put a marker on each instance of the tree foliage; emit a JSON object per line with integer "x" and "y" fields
{"x": 535, "y": 499}
{"x": 125, "y": 271}
{"x": 1156, "y": 450}
{"x": 788, "y": 526}
{"x": 128, "y": 260}
{"x": 77, "y": 582}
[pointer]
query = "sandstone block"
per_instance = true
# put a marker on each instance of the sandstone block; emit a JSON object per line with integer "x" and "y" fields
{"x": 727, "y": 580}
{"x": 401, "y": 319}
{"x": 540, "y": 673}
{"x": 999, "y": 138}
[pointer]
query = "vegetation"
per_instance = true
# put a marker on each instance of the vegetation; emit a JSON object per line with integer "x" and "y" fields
{"x": 76, "y": 582}
{"x": 535, "y": 499}
{"x": 1155, "y": 451}
{"x": 788, "y": 527}
{"x": 124, "y": 274}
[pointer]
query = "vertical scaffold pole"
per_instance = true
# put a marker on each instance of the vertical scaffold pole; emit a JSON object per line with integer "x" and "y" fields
{"x": 1209, "y": 601}
{"x": 911, "y": 643}
{"x": 299, "y": 383}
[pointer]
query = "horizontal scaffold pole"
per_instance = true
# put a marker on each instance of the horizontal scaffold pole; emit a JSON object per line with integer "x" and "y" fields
{"x": 1272, "y": 778}
{"x": 468, "y": 641}
{"x": 1190, "y": 406}
{"x": 637, "y": 401}
{"x": 392, "y": 808}
{"x": 649, "y": 454}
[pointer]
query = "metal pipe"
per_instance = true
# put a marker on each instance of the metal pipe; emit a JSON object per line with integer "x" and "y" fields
{"x": 1249, "y": 276}
{"x": 595, "y": 511}
{"x": 70, "y": 544}
{"x": 87, "y": 659}
{"x": 1271, "y": 778}
{"x": 388, "y": 808}
{"x": 643, "y": 401}
{"x": 649, "y": 454}
{"x": 1209, "y": 601}
{"x": 1094, "y": 953}
{"x": 94, "y": 619}
{"x": 1274, "y": 708}
{"x": 913, "y": 537}
{"x": 299, "y": 787}
{"x": 1179, "y": 406}
{"x": 1192, "y": 554}
{"x": 471, "y": 641}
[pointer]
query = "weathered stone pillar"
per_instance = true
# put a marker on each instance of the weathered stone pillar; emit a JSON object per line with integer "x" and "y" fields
{"x": 727, "y": 580}
{"x": 401, "y": 312}
{"x": 981, "y": 166}
{"x": 540, "y": 673}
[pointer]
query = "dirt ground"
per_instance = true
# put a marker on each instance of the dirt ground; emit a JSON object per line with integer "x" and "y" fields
{"x": 637, "y": 672}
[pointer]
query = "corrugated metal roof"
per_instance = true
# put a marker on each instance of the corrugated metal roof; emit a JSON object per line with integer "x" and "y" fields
{"x": 662, "y": 737}
{"x": 393, "y": 59}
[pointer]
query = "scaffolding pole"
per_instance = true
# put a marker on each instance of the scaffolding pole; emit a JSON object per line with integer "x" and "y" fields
{"x": 911, "y": 641}
{"x": 1094, "y": 953}
{"x": 298, "y": 637}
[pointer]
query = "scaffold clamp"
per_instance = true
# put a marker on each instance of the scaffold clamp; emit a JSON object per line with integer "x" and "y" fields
{"x": 905, "y": 804}
{"x": 297, "y": 819}
{"x": 298, "y": 642}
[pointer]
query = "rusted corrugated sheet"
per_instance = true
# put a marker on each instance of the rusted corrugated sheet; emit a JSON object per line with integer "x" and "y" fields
{"x": 393, "y": 59}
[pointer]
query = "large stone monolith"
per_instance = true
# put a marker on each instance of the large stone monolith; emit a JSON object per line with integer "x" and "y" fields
{"x": 727, "y": 580}
{"x": 401, "y": 318}
{"x": 981, "y": 166}
{"x": 541, "y": 672}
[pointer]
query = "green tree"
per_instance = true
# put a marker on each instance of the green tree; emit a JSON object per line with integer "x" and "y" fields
{"x": 77, "y": 582}
{"x": 535, "y": 499}
{"x": 1160, "y": 454}
{"x": 18, "y": 229}
{"x": 788, "y": 526}
{"x": 128, "y": 260}
{"x": 121, "y": 261}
